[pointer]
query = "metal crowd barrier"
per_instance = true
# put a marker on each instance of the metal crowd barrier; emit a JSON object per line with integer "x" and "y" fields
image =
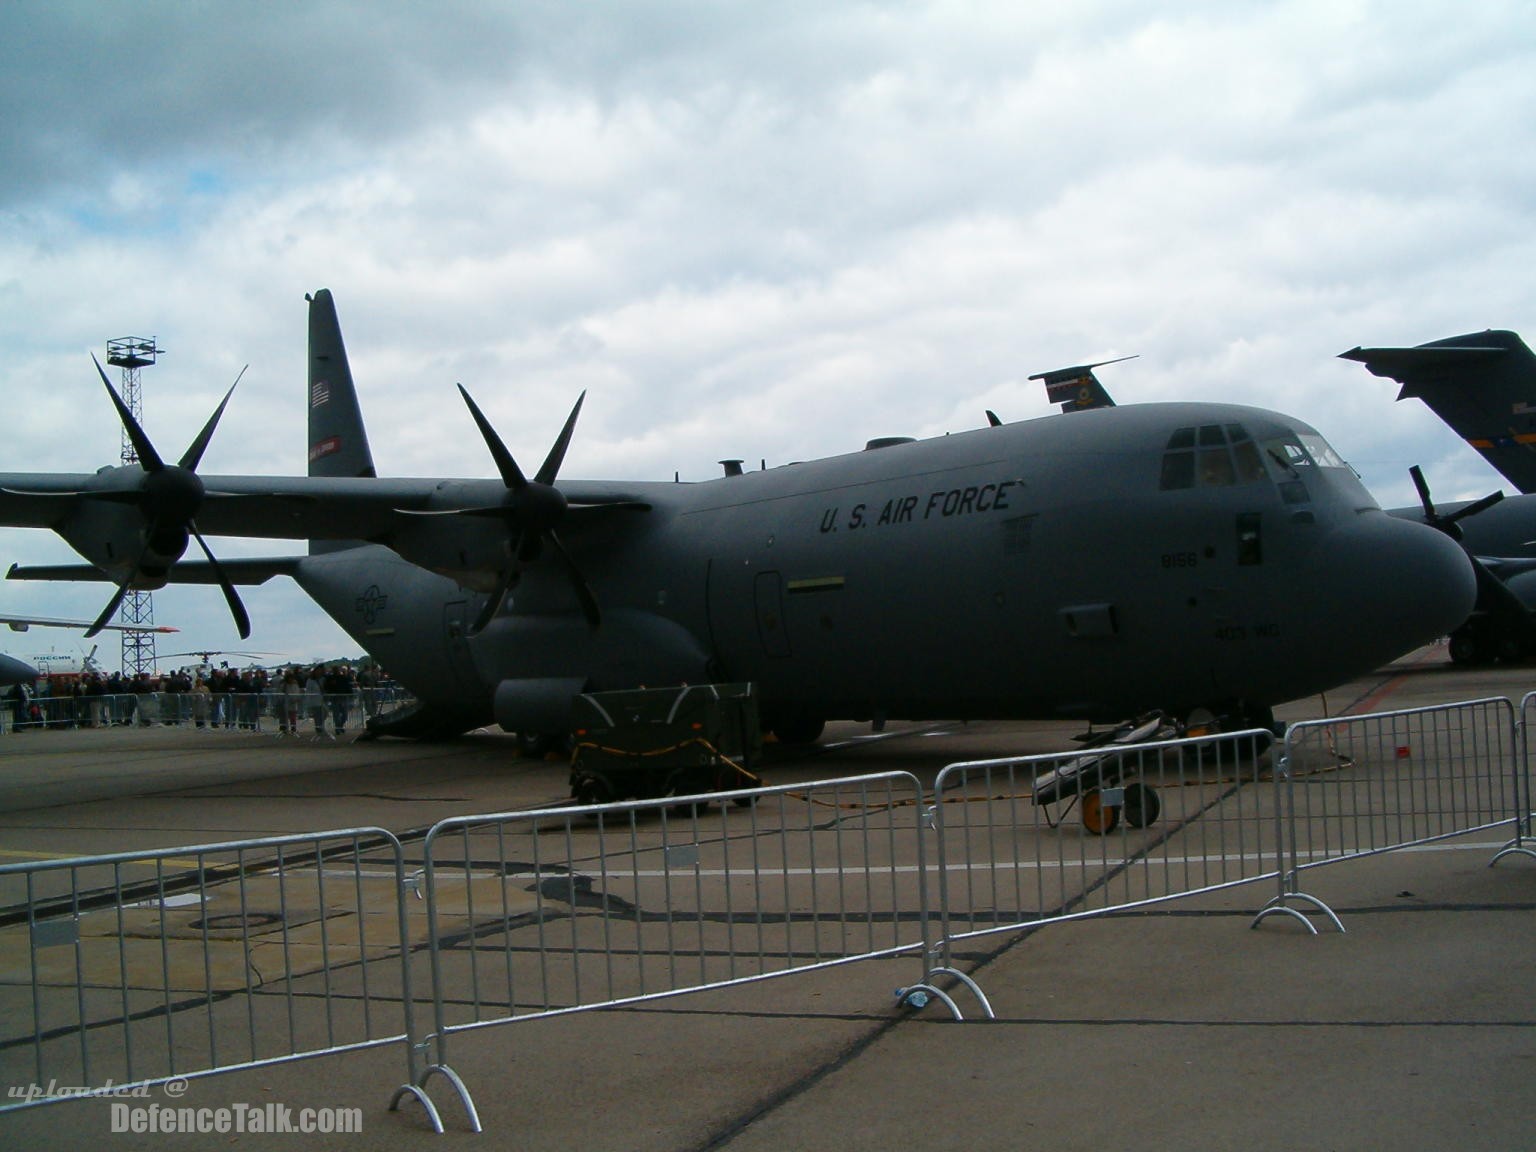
{"x": 535, "y": 914}
{"x": 1041, "y": 839}
{"x": 239, "y": 711}
{"x": 1361, "y": 785}
{"x": 140, "y": 968}
{"x": 1524, "y": 840}
{"x": 133, "y": 969}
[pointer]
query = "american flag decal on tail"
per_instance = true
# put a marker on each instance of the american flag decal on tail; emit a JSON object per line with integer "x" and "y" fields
{"x": 319, "y": 393}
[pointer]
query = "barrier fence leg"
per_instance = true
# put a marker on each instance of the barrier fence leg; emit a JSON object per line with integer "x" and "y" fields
{"x": 1522, "y": 788}
{"x": 918, "y": 995}
{"x": 1289, "y": 853}
{"x": 419, "y": 1049}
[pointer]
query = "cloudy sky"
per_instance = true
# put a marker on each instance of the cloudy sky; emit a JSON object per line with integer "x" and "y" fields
{"x": 766, "y": 231}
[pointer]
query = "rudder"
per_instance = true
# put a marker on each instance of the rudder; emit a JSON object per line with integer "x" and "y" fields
{"x": 338, "y": 442}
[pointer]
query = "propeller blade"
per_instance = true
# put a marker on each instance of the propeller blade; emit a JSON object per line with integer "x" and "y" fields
{"x": 231, "y": 597}
{"x": 494, "y": 601}
{"x": 552, "y": 462}
{"x": 194, "y": 453}
{"x": 1475, "y": 507}
{"x": 527, "y": 547}
{"x": 108, "y": 612}
{"x": 511, "y": 475}
{"x": 1423, "y": 488}
{"x": 578, "y": 583}
{"x": 149, "y": 459}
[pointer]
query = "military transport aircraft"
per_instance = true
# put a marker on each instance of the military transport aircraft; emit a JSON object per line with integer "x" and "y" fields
{"x": 1093, "y": 565}
{"x": 1483, "y": 385}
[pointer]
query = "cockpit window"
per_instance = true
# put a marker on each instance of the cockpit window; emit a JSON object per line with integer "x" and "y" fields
{"x": 1285, "y": 455}
{"x": 1245, "y": 453}
{"x": 1321, "y": 451}
{"x": 1210, "y": 456}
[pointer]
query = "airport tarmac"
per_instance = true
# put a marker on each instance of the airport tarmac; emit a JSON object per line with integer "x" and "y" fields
{"x": 1171, "y": 1026}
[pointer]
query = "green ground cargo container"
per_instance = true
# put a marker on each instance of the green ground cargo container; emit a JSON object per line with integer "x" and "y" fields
{"x": 645, "y": 742}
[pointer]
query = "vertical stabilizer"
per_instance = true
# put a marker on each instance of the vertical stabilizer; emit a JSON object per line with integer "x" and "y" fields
{"x": 1483, "y": 385}
{"x": 1077, "y": 389}
{"x": 338, "y": 443}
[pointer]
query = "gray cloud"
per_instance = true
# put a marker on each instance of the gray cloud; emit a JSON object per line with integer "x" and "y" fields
{"x": 758, "y": 231}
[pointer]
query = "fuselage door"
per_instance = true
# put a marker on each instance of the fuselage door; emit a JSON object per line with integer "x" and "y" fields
{"x": 461, "y": 663}
{"x": 772, "y": 628}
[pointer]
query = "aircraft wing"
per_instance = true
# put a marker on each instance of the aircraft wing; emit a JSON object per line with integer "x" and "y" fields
{"x": 239, "y": 571}
{"x": 22, "y": 623}
{"x": 286, "y": 508}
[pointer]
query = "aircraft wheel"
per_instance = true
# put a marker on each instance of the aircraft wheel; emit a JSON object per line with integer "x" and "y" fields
{"x": 727, "y": 779}
{"x": 1142, "y": 805}
{"x": 1099, "y": 817}
{"x": 1201, "y": 722}
{"x": 798, "y": 729}
{"x": 592, "y": 789}
{"x": 537, "y": 745}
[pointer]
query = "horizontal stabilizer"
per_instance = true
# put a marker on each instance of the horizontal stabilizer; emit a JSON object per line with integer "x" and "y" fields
{"x": 240, "y": 571}
{"x": 1483, "y": 385}
{"x": 1414, "y": 368}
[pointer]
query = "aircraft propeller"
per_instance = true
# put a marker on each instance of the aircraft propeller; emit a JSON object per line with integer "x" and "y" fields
{"x": 531, "y": 510}
{"x": 1448, "y": 524}
{"x": 168, "y": 498}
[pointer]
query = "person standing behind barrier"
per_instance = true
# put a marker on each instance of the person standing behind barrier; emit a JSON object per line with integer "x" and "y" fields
{"x": 248, "y": 704}
{"x": 96, "y": 694}
{"x": 119, "y": 708}
{"x": 293, "y": 696}
{"x": 314, "y": 701}
{"x": 337, "y": 685}
{"x": 200, "y": 697}
{"x": 367, "y": 681}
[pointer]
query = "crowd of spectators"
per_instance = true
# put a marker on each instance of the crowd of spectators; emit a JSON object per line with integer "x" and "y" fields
{"x": 203, "y": 697}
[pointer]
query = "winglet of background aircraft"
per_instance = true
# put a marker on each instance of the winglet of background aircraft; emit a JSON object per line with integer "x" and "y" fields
{"x": 1482, "y": 384}
{"x": 1077, "y": 389}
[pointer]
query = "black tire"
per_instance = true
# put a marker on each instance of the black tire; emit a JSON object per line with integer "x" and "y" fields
{"x": 1142, "y": 805}
{"x": 589, "y": 788}
{"x": 798, "y": 729}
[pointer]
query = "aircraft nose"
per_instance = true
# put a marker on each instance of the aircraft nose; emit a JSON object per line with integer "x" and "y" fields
{"x": 1403, "y": 584}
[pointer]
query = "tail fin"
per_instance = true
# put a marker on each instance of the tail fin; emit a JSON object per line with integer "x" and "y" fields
{"x": 338, "y": 443}
{"x": 1482, "y": 384}
{"x": 1077, "y": 389}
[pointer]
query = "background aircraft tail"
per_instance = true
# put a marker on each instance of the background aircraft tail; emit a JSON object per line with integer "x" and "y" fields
{"x": 338, "y": 442}
{"x": 1482, "y": 384}
{"x": 1077, "y": 389}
